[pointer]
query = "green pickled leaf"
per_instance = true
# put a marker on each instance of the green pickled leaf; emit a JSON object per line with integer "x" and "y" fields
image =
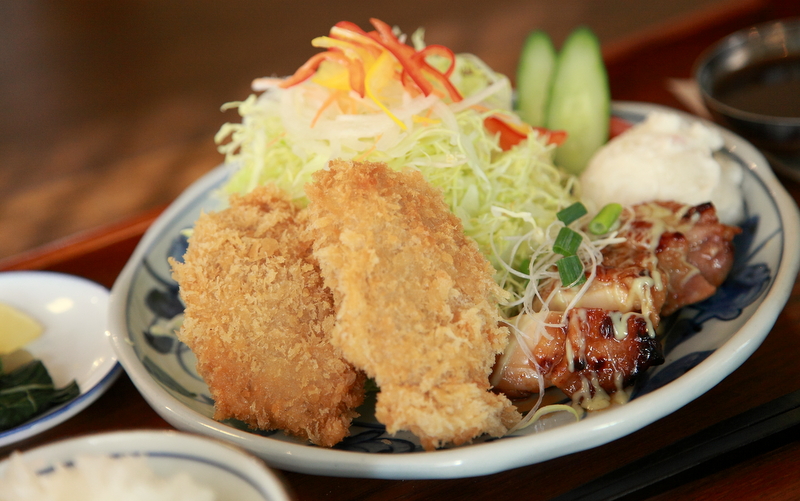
{"x": 29, "y": 391}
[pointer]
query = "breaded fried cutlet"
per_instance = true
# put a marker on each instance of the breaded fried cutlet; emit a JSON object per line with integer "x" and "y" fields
{"x": 257, "y": 317}
{"x": 417, "y": 308}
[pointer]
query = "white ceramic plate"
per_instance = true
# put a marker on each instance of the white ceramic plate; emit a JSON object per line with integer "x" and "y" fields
{"x": 145, "y": 308}
{"x": 232, "y": 474}
{"x": 74, "y": 344}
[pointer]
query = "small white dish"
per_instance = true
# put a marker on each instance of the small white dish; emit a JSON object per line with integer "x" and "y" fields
{"x": 74, "y": 344}
{"x": 232, "y": 474}
{"x": 145, "y": 310}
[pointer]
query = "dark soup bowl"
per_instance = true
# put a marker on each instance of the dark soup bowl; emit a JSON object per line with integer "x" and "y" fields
{"x": 750, "y": 82}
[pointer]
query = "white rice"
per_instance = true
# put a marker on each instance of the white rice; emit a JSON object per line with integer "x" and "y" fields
{"x": 94, "y": 477}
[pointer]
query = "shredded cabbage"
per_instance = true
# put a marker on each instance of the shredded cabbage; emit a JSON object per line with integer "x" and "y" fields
{"x": 505, "y": 199}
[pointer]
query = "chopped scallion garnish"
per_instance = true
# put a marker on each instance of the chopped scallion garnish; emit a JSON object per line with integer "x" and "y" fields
{"x": 605, "y": 219}
{"x": 572, "y": 213}
{"x": 570, "y": 270}
{"x": 567, "y": 242}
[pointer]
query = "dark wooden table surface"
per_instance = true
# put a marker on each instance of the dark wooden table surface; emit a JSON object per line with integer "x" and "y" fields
{"x": 638, "y": 71}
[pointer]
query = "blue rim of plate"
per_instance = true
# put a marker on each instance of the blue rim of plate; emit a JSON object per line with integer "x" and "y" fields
{"x": 450, "y": 463}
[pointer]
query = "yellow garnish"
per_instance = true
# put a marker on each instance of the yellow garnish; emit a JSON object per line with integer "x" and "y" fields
{"x": 17, "y": 329}
{"x": 378, "y": 74}
{"x": 425, "y": 120}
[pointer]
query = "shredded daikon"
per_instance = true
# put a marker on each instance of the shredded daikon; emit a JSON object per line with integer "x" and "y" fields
{"x": 501, "y": 196}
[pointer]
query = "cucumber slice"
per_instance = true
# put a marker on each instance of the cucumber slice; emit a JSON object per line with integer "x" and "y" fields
{"x": 534, "y": 77}
{"x": 580, "y": 103}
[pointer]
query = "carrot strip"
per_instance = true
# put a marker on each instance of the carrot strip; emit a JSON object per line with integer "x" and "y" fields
{"x": 333, "y": 96}
{"x": 308, "y": 69}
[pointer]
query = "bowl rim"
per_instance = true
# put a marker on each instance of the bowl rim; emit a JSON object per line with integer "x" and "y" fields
{"x": 105, "y": 369}
{"x": 737, "y": 39}
{"x": 163, "y": 443}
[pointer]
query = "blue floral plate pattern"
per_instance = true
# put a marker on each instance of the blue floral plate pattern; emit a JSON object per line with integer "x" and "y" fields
{"x": 703, "y": 344}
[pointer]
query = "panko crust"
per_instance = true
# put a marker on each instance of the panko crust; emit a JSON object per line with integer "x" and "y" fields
{"x": 417, "y": 308}
{"x": 258, "y": 317}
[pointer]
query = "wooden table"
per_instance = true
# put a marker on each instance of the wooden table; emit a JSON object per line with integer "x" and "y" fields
{"x": 638, "y": 71}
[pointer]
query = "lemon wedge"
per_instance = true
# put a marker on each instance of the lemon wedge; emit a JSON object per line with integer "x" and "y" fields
{"x": 17, "y": 329}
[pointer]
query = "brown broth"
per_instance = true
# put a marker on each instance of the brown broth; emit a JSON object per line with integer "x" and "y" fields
{"x": 768, "y": 88}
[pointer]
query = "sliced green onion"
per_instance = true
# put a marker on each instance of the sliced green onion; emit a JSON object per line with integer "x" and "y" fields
{"x": 570, "y": 270}
{"x": 571, "y": 213}
{"x": 567, "y": 242}
{"x": 605, "y": 219}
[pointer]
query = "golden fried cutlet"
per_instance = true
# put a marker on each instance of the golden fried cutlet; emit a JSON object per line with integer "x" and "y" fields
{"x": 416, "y": 302}
{"x": 257, "y": 317}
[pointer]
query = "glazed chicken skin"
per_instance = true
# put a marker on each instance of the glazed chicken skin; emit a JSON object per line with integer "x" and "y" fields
{"x": 673, "y": 255}
{"x": 697, "y": 250}
{"x": 596, "y": 354}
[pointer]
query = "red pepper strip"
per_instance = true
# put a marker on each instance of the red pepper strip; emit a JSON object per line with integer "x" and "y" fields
{"x": 355, "y": 70}
{"x": 306, "y": 71}
{"x": 448, "y": 85}
{"x": 556, "y": 137}
{"x": 401, "y": 52}
{"x": 310, "y": 67}
{"x": 358, "y": 77}
{"x": 443, "y": 78}
{"x": 415, "y": 67}
{"x": 408, "y": 84}
{"x": 511, "y": 136}
{"x": 617, "y": 126}
{"x": 439, "y": 50}
{"x": 350, "y": 26}
{"x": 358, "y": 38}
{"x": 413, "y": 63}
